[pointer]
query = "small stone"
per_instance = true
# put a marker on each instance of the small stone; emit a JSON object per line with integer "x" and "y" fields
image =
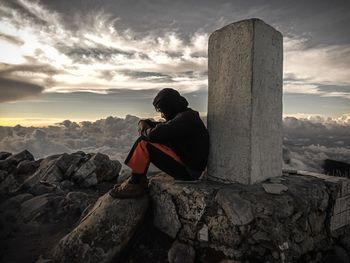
{"x": 168, "y": 221}
{"x": 9, "y": 184}
{"x": 275, "y": 255}
{"x": 66, "y": 184}
{"x": 289, "y": 171}
{"x": 123, "y": 175}
{"x": 76, "y": 201}
{"x": 284, "y": 246}
{"x": 181, "y": 253}
{"x": 41, "y": 259}
{"x": 4, "y": 155}
{"x": 236, "y": 208}
{"x": 274, "y": 188}
{"x": 276, "y": 180}
{"x": 203, "y": 233}
{"x": 26, "y": 167}
{"x": 261, "y": 236}
{"x": 3, "y": 175}
{"x": 187, "y": 190}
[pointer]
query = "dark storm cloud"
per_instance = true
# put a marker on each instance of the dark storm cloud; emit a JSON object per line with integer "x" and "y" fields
{"x": 6, "y": 69}
{"x": 12, "y": 39}
{"x": 173, "y": 54}
{"x": 323, "y": 22}
{"x": 26, "y": 14}
{"x": 150, "y": 76}
{"x": 81, "y": 54}
{"x": 333, "y": 88}
{"x": 133, "y": 94}
{"x": 11, "y": 90}
{"x": 165, "y": 78}
{"x": 194, "y": 74}
{"x": 111, "y": 95}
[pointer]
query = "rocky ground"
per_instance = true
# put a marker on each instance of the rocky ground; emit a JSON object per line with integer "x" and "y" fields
{"x": 42, "y": 200}
{"x": 44, "y": 204}
{"x": 297, "y": 217}
{"x": 57, "y": 209}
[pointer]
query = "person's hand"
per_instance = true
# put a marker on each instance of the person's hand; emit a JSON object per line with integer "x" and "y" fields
{"x": 142, "y": 126}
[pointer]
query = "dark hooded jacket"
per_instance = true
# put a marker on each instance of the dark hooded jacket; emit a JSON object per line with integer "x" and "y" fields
{"x": 183, "y": 131}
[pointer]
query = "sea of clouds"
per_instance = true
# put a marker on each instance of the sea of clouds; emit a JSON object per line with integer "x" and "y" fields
{"x": 307, "y": 142}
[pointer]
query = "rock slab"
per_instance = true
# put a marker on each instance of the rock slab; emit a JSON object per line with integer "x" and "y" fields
{"x": 264, "y": 222}
{"x": 103, "y": 232}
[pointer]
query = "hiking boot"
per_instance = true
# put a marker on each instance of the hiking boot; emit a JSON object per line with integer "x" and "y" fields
{"x": 129, "y": 190}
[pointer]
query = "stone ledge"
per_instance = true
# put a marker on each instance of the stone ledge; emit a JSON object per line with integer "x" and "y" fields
{"x": 248, "y": 221}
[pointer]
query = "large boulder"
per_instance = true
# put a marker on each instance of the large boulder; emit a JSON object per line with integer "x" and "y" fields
{"x": 21, "y": 156}
{"x": 47, "y": 171}
{"x": 181, "y": 253}
{"x": 82, "y": 169}
{"x": 104, "y": 231}
{"x": 97, "y": 169}
{"x": 13, "y": 160}
{"x": 42, "y": 200}
{"x": 4, "y": 155}
{"x": 26, "y": 168}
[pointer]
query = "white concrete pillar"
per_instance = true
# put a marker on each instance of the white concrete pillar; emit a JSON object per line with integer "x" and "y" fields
{"x": 245, "y": 102}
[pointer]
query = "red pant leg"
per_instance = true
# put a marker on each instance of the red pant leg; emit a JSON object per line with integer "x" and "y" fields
{"x": 140, "y": 160}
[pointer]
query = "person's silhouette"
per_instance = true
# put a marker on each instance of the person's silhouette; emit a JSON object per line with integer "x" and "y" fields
{"x": 179, "y": 146}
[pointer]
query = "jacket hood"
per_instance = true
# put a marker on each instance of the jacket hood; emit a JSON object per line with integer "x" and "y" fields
{"x": 170, "y": 102}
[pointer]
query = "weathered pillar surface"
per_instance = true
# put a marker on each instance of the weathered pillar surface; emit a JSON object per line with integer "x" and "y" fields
{"x": 245, "y": 102}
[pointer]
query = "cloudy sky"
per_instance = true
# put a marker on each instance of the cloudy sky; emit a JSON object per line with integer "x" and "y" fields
{"x": 86, "y": 60}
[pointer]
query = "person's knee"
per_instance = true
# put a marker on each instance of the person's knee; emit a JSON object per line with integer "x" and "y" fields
{"x": 143, "y": 144}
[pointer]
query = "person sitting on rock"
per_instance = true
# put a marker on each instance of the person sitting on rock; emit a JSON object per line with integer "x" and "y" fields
{"x": 179, "y": 146}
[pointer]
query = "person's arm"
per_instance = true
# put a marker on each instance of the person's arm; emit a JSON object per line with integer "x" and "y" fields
{"x": 144, "y": 126}
{"x": 150, "y": 122}
{"x": 178, "y": 127}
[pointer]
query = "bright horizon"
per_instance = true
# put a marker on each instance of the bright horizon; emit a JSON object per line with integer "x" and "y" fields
{"x": 44, "y": 123}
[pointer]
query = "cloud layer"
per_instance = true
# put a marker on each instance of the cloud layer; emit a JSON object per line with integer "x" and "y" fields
{"x": 12, "y": 90}
{"x": 307, "y": 142}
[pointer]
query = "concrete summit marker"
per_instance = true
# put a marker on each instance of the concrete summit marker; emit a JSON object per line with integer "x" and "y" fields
{"x": 245, "y": 102}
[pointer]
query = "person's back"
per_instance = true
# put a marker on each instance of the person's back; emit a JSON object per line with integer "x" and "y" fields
{"x": 187, "y": 135}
